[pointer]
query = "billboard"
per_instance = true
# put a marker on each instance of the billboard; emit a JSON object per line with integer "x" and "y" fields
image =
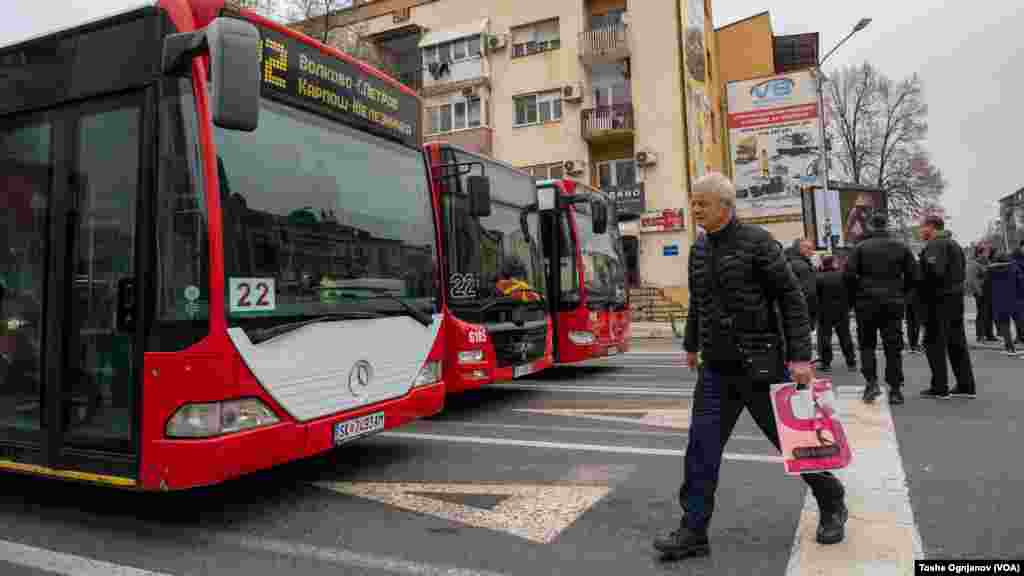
{"x": 842, "y": 214}
{"x": 774, "y": 133}
{"x": 698, "y": 106}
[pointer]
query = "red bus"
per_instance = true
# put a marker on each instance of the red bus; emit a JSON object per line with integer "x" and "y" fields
{"x": 589, "y": 298}
{"x": 498, "y": 326}
{"x": 218, "y": 250}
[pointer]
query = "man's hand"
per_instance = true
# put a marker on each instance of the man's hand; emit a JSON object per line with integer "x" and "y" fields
{"x": 802, "y": 373}
{"x": 691, "y": 360}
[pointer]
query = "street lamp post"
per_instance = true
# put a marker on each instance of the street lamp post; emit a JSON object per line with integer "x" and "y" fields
{"x": 861, "y": 24}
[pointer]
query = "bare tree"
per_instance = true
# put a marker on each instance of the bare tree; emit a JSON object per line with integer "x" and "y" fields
{"x": 900, "y": 127}
{"x": 853, "y": 113}
{"x": 317, "y": 15}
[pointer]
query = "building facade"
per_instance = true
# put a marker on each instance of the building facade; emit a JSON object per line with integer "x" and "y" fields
{"x": 621, "y": 94}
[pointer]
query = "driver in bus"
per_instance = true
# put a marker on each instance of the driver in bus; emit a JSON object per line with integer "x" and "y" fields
{"x": 512, "y": 281}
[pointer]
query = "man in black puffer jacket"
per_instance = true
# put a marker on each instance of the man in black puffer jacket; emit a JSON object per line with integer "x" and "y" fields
{"x": 834, "y": 299}
{"x": 799, "y": 256}
{"x": 738, "y": 279}
{"x": 881, "y": 272}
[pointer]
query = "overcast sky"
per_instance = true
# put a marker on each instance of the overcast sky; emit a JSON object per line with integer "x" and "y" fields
{"x": 970, "y": 55}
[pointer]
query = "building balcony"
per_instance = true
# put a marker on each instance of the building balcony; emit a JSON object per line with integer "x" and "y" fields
{"x": 605, "y": 124}
{"x": 443, "y": 77}
{"x": 472, "y": 139}
{"x": 604, "y": 45}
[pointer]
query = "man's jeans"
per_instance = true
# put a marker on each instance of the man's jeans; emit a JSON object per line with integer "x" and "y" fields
{"x": 718, "y": 402}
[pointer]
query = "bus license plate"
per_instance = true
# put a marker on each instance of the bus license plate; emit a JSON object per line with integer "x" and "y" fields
{"x": 358, "y": 427}
{"x": 613, "y": 350}
{"x": 522, "y": 370}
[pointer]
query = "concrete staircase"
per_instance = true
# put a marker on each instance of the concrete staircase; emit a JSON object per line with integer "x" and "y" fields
{"x": 652, "y": 304}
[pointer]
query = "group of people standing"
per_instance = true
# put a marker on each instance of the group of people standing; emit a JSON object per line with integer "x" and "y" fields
{"x": 995, "y": 279}
{"x": 885, "y": 284}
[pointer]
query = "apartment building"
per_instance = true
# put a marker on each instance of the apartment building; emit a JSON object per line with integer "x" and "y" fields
{"x": 617, "y": 93}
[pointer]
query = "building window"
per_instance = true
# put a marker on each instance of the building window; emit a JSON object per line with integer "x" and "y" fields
{"x": 546, "y": 171}
{"x": 538, "y": 108}
{"x": 535, "y": 38}
{"x": 616, "y": 174}
{"x": 455, "y": 51}
{"x": 610, "y": 19}
{"x": 460, "y": 113}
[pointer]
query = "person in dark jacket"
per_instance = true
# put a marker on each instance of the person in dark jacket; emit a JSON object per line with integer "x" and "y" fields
{"x": 1018, "y": 258}
{"x": 880, "y": 273}
{"x": 974, "y": 283}
{"x": 741, "y": 290}
{"x": 1006, "y": 280}
{"x": 834, "y": 315}
{"x": 799, "y": 256}
{"x": 943, "y": 271}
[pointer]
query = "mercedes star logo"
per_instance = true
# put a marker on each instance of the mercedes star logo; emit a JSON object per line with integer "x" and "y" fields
{"x": 359, "y": 377}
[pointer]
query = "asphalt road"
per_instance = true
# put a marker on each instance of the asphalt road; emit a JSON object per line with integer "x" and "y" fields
{"x": 573, "y": 471}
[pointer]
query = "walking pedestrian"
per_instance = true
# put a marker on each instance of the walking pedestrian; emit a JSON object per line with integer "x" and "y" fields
{"x": 984, "y": 316}
{"x": 880, "y": 273}
{"x": 974, "y": 285}
{"x": 741, "y": 291}
{"x": 943, "y": 271}
{"x": 1007, "y": 281}
{"x": 834, "y": 315}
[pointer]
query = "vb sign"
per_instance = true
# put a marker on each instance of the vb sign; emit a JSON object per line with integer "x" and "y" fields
{"x": 771, "y": 91}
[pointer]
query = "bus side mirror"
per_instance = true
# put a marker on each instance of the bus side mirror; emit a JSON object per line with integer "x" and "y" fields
{"x": 479, "y": 196}
{"x": 234, "y": 51}
{"x": 599, "y": 216}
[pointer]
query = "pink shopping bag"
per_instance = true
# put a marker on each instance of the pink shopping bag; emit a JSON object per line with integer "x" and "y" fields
{"x": 810, "y": 433}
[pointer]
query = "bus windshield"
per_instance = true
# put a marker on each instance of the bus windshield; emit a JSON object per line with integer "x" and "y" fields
{"x": 496, "y": 258}
{"x": 604, "y": 275}
{"x": 321, "y": 219}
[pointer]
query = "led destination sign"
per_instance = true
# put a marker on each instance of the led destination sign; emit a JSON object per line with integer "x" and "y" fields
{"x": 303, "y": 76}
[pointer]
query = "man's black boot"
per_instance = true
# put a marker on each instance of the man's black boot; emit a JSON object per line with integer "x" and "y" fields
{"x": 683, "y": 543}
{"x": 872, "y": 391}
{"x": 895, "y": 396}
{"x": 832, "y": 516}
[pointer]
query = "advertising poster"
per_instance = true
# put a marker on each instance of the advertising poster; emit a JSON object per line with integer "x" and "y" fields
{"x": 697, "y": 104}
{"x": 773, "y": 139}
{"x": 856, "y": 208}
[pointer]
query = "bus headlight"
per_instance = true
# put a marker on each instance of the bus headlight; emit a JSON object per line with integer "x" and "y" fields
{"x": 471, "y": 356}
{"x": 429, "y": 374}
{"x": 215, "y": 418}
{"x": 581, "y": 338}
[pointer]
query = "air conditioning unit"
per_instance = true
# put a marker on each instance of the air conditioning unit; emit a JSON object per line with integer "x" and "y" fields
{"x": 496, "y": 42}
{"x": 572, "y": 92}
{"x": 645, "y": 158}
{"x": 572, "y": 167}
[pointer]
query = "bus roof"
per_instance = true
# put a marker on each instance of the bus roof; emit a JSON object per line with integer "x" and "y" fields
{"x": 491, "y": 159}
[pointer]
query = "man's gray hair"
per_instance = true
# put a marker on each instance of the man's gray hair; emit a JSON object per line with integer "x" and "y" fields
{"x": 719, "y": 185}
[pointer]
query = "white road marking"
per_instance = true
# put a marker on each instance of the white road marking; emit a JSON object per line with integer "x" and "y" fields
{"x": 678, "y": 418}
{"x": 538, "y": 513}
{"x": 568, "y": 446}
{"x": 345, "y": 557}
{"x": 65, "y": 564}
{"x": 617, "y": 431}
{"x": 882, "y": 536}
{"x": 617, "y": 390}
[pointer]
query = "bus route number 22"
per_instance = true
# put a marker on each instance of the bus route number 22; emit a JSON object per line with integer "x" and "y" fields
{"x": 252, "y": 294}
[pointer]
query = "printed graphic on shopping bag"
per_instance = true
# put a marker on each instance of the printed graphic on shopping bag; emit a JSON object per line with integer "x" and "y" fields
{"x": 810, "y": 432}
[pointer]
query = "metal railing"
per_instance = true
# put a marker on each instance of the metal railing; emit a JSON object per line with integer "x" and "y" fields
{"x": 604, "y": 118}
{"x": 609, "y": 39}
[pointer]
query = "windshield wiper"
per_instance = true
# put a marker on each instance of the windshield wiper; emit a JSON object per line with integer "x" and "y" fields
{"x": 495, "y": 300}
{"x": 263, "y": 334}
{"x": 417, "y": 313}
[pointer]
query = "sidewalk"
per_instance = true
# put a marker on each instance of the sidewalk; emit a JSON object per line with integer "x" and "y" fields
{"x": 658, "y": 335}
